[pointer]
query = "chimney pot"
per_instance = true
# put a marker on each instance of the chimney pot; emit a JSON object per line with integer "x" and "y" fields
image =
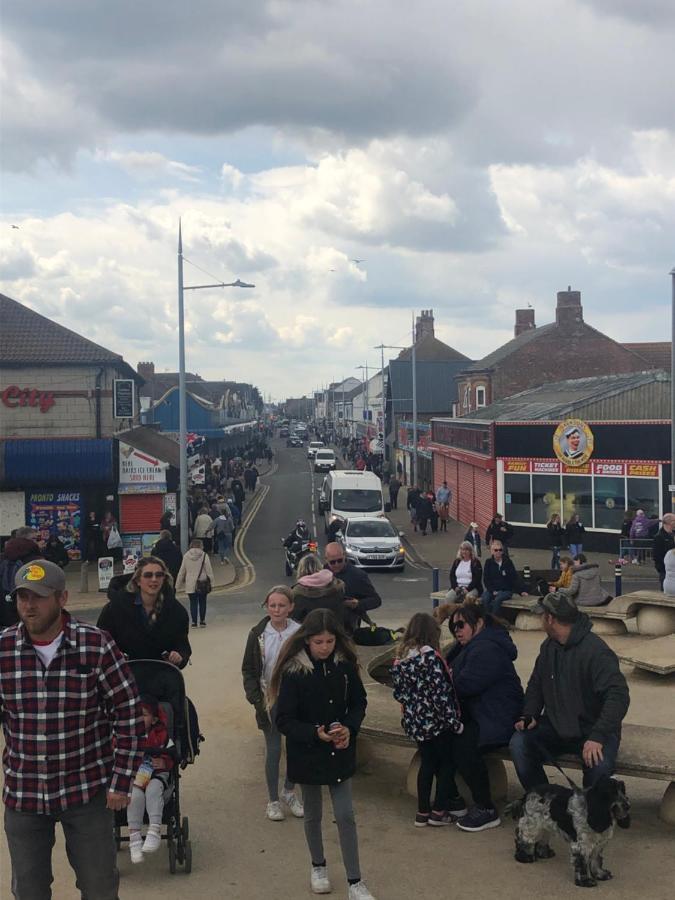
{"x": 569, "y": 311}
{"x": 524, "y": 321}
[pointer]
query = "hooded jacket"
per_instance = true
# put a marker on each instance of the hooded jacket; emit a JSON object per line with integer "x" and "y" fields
{"x": 423, "y": 686}
{"x": 585, "y": 587}
{"x": 579, "y": 686}
{"x": 167, "y": 550}
{"x": 318, "y": 591}
{"x": 191, "y": 569}
{"x": 252, "y": 668}
{"x": 487, "y": 684}
{"x": 313, "y": 693}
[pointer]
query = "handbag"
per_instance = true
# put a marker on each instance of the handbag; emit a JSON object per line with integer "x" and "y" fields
{"x": 203, "y": 584}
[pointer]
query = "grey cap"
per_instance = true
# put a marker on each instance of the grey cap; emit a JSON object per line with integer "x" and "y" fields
{"x": 40, "y": 576}
{"x": 561, "y": 606}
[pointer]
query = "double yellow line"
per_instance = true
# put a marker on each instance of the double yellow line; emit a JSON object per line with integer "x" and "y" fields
{"x": 248, "y": 573}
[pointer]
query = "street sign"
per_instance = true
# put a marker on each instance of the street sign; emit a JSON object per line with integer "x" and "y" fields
{"x": 123, "y": 398}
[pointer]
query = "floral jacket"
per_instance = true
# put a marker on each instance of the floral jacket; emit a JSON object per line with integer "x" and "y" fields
{"x": 423, "y": 686}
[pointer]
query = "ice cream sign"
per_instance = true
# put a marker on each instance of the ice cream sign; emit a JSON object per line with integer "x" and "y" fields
{"x": 141, "y": 473}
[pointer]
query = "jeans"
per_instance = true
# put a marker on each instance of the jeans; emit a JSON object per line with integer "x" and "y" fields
{"x": 88, "y": 830}
{"x": 272, "y": 761}
{"x": 341, "y": 797}
{"x": 393, "y": 499}
{"x": 529, "y": 749}
{"x": 223, "y": 545}
{"x": 492, "y": 600}
{"x": 436, "y": 761}
{"x": 197, "y": 602}
{"x": 575, "y": 550}
{"x": 555, "y": 557}
{"x": 469, "y": 762}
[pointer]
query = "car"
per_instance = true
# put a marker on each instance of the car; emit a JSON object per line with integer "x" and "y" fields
{"x": 373, "y": 543}
{"x": 324, "y": 460}
{"x": 313, "y": 447}
{"x": 294, "y": 441}
{"x": 284, "y": 432}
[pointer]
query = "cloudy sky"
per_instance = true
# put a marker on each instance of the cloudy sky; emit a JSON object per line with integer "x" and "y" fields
{"x": 479, "y": 156}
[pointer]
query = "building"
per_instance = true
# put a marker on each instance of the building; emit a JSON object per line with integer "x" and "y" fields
{"x": 598, "y": 447}
{"x": 566, "y": 348}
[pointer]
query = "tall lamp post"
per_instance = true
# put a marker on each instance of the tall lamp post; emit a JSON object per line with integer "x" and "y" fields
{"x": 182, "y": 398}
{"x": 672, "y": 395}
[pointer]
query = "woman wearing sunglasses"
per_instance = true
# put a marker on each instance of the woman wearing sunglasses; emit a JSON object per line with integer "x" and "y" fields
{"x": 143, "y": 616}
{"x": 489, "y": 693}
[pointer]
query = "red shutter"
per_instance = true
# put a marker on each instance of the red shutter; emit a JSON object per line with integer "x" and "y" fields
{"x": 485, "y": 504}
{"x": 140, "y": 513}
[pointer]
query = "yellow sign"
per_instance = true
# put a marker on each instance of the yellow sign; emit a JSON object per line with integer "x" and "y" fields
{"x": 34, "y": 573}
{"x": 573, "y": 443}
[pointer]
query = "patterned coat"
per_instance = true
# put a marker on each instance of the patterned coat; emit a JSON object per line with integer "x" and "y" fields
{"x": 423, "y": 686}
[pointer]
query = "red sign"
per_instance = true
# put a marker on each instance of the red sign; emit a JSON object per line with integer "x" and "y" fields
{"x": 14, "y": 396}
{"x": 643, "y": 470}
{"x": 516, "y": 465}
{"x": 607, "y": 467}
{"x": 545, "y": 467}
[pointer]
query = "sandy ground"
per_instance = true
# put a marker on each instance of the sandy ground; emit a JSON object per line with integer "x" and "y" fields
{"x": 238, "y": 854}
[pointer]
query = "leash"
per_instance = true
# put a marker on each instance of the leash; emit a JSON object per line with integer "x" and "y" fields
{"x": 548, "y": 758}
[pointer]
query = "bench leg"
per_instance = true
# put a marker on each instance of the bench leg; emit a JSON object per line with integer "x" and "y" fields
{"x": 667, "y": 807}
{"x": 496, "y": 770}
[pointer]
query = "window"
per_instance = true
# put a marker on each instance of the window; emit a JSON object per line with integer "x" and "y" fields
{"x": 578, "y": 498}
{"x": 610, "y": 501}
{"x": 643, "y": 493}
{"x": 517, "y": 498}
{"x": 353, "y": 500}
{"x": 546, "y": 497}
{"x": 480, "y": 396}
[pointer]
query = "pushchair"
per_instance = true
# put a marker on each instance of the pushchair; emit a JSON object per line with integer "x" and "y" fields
{"x": 165, "y": 682}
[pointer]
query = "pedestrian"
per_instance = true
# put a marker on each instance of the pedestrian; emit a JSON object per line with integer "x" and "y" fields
{"x": 663, "y": 542}
{"x": 203, "y": 528}
{"x": 55, "y": 552}
{"x": 238, "y": 493}
{"x": 424, "y": 508}
{"x": 21, "y": 548}
{"x": 169, "y": 552}
{"x": 473, "y": 537}
{"x": 360, "y": 594}
{"x": 223, "y": 529}
{"x": 394, "y": 488}
{"x": 575, "y": 700}
{"x": 196, "y": 579}
{"x": 556, "y": 537}
{"x": 640, "y": 530}
{"x": 433, "y": 517}
{"x": 443, "y": 499}
{"x": 264, "y": 643}
{"x": 320, "y": 704}
{"x": 423, "y": 686}
{"x": 669, "y": 580}
{"x": 317, "y": 588}
{"x": 574, "y": 532}
{"x": 500, "y": 579}
{"x": 66, "y": 689}
{"x": 443, "y": 517}
{"x": 499, "y": 529}
{"x": 466, "y": 576}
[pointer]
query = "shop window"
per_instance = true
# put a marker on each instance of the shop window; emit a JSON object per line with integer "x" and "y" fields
{"x": 643, "y": 493}
{"x": 517, "y": 498}
{"x": 546, "y": 497}
{"x": 578, "y": 498}
{"x": 610, "y": 502}
{"x": 480, "y": 396}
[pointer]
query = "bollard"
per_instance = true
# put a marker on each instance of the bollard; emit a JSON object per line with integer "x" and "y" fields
{"x": 527, "y": 575}
{"x": 618, "y": 572}
{"x": 84, "y": 577}
{"x": 435, "y": 584}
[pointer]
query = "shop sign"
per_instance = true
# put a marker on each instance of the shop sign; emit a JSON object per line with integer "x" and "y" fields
{"x": 59, "y": 513}
{"x": 123, "y": 398}
{"x": 573, "y": 442}
{"x": 14, "y": 396}
{"x": 171, "y": 505}
{"x": 545, "y": 467}
{"x": 140, "y": 473}
{"x": 609, "y": 468}
{"x": 642, "y": 470}
{"x": 604, "y": 467}
{"x": 516, "y": 465}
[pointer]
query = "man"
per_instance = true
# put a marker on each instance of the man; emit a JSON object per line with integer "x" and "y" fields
{"x": 499, "y": 530}
{"x": 21, "y": 548}
{"x": 443, "y": 495}
{"x": 573, "y": 448}
{"x": 663, "y": 542}
{"x": 500, "y": 579}
{"x": 73, "y": 727}
{"x": 360, "y": 595}
{"x": 394, "y": 488}
{"x": 575, "y": 701}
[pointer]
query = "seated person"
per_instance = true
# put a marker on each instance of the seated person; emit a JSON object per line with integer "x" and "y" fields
{"x": 563, "y": 581}
{"x": 585, "y": 587}
{"x": 466, "y": 575}
{"x": 500, "y": 579}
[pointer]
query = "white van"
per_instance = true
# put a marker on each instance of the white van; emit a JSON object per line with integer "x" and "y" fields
{"x": 350, "y": 494}
{"x": 324, "y": 460}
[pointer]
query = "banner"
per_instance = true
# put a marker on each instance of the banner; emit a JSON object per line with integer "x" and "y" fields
{"x": 140, "y": 473}
{"x": 59, "y": 513}
{"x": 105, "y": 572}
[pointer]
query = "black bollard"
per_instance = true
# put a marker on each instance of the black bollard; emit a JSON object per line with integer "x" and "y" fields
{"x": 618, "y": 574}
{"x": 435, "y": 584}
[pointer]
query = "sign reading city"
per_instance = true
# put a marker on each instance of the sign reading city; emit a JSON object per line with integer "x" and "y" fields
{"x": 123, "y": 398}
{"x": 14, "y": 397}
{"x": 573, "y": 443}
{"x": 140, "y": 473}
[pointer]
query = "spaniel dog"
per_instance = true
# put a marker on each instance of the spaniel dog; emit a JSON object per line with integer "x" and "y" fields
{"x": 584, "y": 818}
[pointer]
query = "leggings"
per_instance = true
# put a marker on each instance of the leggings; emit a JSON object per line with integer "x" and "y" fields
{"x": 272, "y": 761}
{"x": 341, "y": 797}
{"x": 436, "y": 761}
{"x": 152, "y": 799}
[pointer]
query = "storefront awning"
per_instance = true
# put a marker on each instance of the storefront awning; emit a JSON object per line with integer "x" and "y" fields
{"x": 52, "y": 462}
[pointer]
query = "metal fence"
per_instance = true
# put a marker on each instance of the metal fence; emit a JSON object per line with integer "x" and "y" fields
{"x": 639, "y": 549}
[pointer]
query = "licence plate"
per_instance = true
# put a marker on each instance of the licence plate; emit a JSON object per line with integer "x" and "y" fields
{"x": 378, "y": 556}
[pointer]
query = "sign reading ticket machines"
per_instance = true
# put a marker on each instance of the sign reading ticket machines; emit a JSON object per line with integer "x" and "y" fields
{"x": 123, "y": 398}
{"x": 573, "y": 442}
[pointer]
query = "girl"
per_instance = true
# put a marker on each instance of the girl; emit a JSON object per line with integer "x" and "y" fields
{"x": 150, "y": 783}
{"x": 556, "y": 535}
{"x": 262, "y": 650}
{"x": 565, "y": 578}
{"x": 423, "y": 686}
{"x": 320, "y": 703}
{"x": 317, "y": 588}
{"x": 574, "y": 532}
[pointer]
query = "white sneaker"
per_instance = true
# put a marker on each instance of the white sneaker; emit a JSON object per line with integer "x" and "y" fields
{"x": 153, "y": 839}
{"x": 294, "y": 805}
{"x": 275, "y": 812}
{"x": 359, "y": 891}
{"x": 319, "y": 880}
{"x": 136, "y": 848}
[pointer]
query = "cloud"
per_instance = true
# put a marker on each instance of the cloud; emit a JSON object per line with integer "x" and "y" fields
{"x": 149, "y": 165}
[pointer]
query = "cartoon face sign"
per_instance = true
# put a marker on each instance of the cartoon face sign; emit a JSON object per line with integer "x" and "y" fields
{"x": 573, "y": 442}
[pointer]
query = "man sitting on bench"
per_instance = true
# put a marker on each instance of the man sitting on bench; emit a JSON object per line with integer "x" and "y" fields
{"x": 575, "y": 701}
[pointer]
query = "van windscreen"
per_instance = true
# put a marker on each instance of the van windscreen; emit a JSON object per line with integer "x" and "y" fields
{"x": 352, "y": 500}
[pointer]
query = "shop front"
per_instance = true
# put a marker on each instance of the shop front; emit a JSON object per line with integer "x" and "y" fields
{"x": 143, "y": 497}
{"x": 405, "y": 453}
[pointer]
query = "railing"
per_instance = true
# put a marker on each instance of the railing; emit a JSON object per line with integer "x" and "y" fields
{"x": 636, "y": 549}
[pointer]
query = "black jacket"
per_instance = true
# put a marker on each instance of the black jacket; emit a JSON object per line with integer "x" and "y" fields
{"x": 166, "y": 550}
{"x": 57, "y": 553}
{"x": 252, "y": 670}
{"x": 500, "y": 579}
{"x": 556, "y": 534}
{"x": 579, "y": 686}
{"x": 574, "y": 532}
{"x": 663, "y": 542}
{"x": 474, "y": 538}
{"x": 124, "y": 622}
{"x": 358, "y": 587}
{"x": 499, "y": 531}
{"x": 476, "y": 583}
{"x": 318, "y": 693}
{"x": 331, "y": 597}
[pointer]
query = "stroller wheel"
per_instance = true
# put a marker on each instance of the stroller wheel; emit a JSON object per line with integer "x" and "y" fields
{"x": 172, "y": 857}
{"x": 185, "y": 828}
{"x": 188, "y": 858}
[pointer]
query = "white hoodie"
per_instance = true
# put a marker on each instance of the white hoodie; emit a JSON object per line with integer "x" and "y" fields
{"x": 190, "y": 569}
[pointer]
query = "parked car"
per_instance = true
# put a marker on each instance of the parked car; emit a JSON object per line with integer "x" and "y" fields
{"x": 284, "y": 432}
{"x": 373, "y": 543}
{"x": 294, "y": 441}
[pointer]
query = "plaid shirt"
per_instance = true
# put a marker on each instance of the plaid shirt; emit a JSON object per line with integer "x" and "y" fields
{"x": 59, "y": 722}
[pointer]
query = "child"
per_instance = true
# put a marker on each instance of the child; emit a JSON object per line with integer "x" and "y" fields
{"x": 262, "y": 649}
{"x": 320, "y": 704}
{"x": 150, "y": 783}
{"x": 423, "y": 686}
{"x": 564, "y": 580}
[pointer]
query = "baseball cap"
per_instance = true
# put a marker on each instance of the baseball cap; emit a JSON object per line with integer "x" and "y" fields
{"x": 40, "y": 576}
{"x": 561, "y": 606}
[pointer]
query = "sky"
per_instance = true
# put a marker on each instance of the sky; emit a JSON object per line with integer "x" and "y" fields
{"x": 477, "y": 156}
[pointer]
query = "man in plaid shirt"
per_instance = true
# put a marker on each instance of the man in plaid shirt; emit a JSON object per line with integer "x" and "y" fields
{"x": 73, "y": 725}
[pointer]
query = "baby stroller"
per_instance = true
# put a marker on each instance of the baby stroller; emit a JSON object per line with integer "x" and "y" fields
{"x": 165, "y": 682}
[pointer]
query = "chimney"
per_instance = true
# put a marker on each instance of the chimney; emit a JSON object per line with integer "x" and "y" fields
{"x": 569, "y": 311}
{"x": 424, "y": 324}
{"x": 524, "y": 321}
{"x": 146, "y": 370}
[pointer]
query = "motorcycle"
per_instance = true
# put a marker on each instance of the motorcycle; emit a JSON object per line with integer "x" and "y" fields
{"x": 296, "y": 551}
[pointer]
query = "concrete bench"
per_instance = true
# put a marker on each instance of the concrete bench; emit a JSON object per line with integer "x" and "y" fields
{"x": 657, "y": 655}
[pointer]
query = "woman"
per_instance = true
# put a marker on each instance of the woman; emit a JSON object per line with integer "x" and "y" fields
{"x": 194, "y": 570}
{"x": 585, "y": 588}
{"x": 143, "y": 616}
{"x": 203, "y": 528}
{"x": 556, "y": 536}
{"x": 574, "y": 532}
{"x": 491, "y": 698}
{"x": 466, "y": 575}
{"x": 473, "y": 537}
{"x": 317, "y": 588}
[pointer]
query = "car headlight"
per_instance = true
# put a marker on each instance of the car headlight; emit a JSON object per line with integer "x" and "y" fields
{"x": 401, "y": 550}
{"x": 350, "y": 548}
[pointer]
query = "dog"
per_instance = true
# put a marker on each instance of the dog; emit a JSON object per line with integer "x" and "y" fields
{"x": 584, "y": 818}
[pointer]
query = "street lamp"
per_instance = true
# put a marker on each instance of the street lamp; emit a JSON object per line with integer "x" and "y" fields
{"x": 672, "y": 396}
{"x": 413, "y": 360}
{"x": 182, "y": 400}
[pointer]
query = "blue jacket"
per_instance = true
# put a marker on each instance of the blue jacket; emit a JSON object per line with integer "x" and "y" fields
{"x": 500, "y": 578}
{"x": 487, "y": 684}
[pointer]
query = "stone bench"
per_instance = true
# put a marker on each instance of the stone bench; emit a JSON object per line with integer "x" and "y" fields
{"x": 657, "y": 655}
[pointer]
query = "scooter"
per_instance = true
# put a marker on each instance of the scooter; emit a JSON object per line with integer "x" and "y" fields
{"x": 296, "y": 551}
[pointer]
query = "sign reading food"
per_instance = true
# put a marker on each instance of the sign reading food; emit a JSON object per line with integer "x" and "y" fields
{"x": 573, "y": 443}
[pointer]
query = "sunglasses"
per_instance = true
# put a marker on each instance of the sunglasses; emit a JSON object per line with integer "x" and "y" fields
{"x": 497, "y": 550}
{"x": 457, "y": 626}
{"x": 153, "y": 575}
{"x": 335, "y": 562}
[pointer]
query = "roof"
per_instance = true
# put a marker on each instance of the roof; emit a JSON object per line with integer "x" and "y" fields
{"x": 513, "y": 346}
{"x": 151, "y": 441}
{"x": 436, "y": 385}
{"x": 159, "y": 383}
{"x": 559, "y": 399}
{"x": 430, "y": 349}
{"x": 28, "y": 338}
{"x": 656, "y": 353}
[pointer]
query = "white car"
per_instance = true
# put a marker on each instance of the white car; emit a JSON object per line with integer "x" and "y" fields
{"x": 324, "y": 460}
{"x": 313, "y": 447}
{"x": 373, "y": 543}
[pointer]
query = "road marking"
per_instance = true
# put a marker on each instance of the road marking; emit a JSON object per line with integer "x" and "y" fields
{"x": 249, "y": 574}
{"x": 408, "y": 580}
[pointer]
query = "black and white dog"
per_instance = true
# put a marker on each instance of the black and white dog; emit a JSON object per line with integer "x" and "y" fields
{"x": 584, "y": 818}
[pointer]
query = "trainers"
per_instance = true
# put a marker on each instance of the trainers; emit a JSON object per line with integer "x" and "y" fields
{"x": 439, "y": 818}
{"x": 295, "y": 806}
{"x": 457, "y": 807}
{"x": 421, "y": 820}
{"x": 275, "y": 812}
{"x": 202, "y": 624}
{"x": 479, "y": 819}
{"x": 153, "y": 839}
{"x": 318, "y": 880}
{"x": 136, "y": 847}
{"x": 359, "y": 891}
